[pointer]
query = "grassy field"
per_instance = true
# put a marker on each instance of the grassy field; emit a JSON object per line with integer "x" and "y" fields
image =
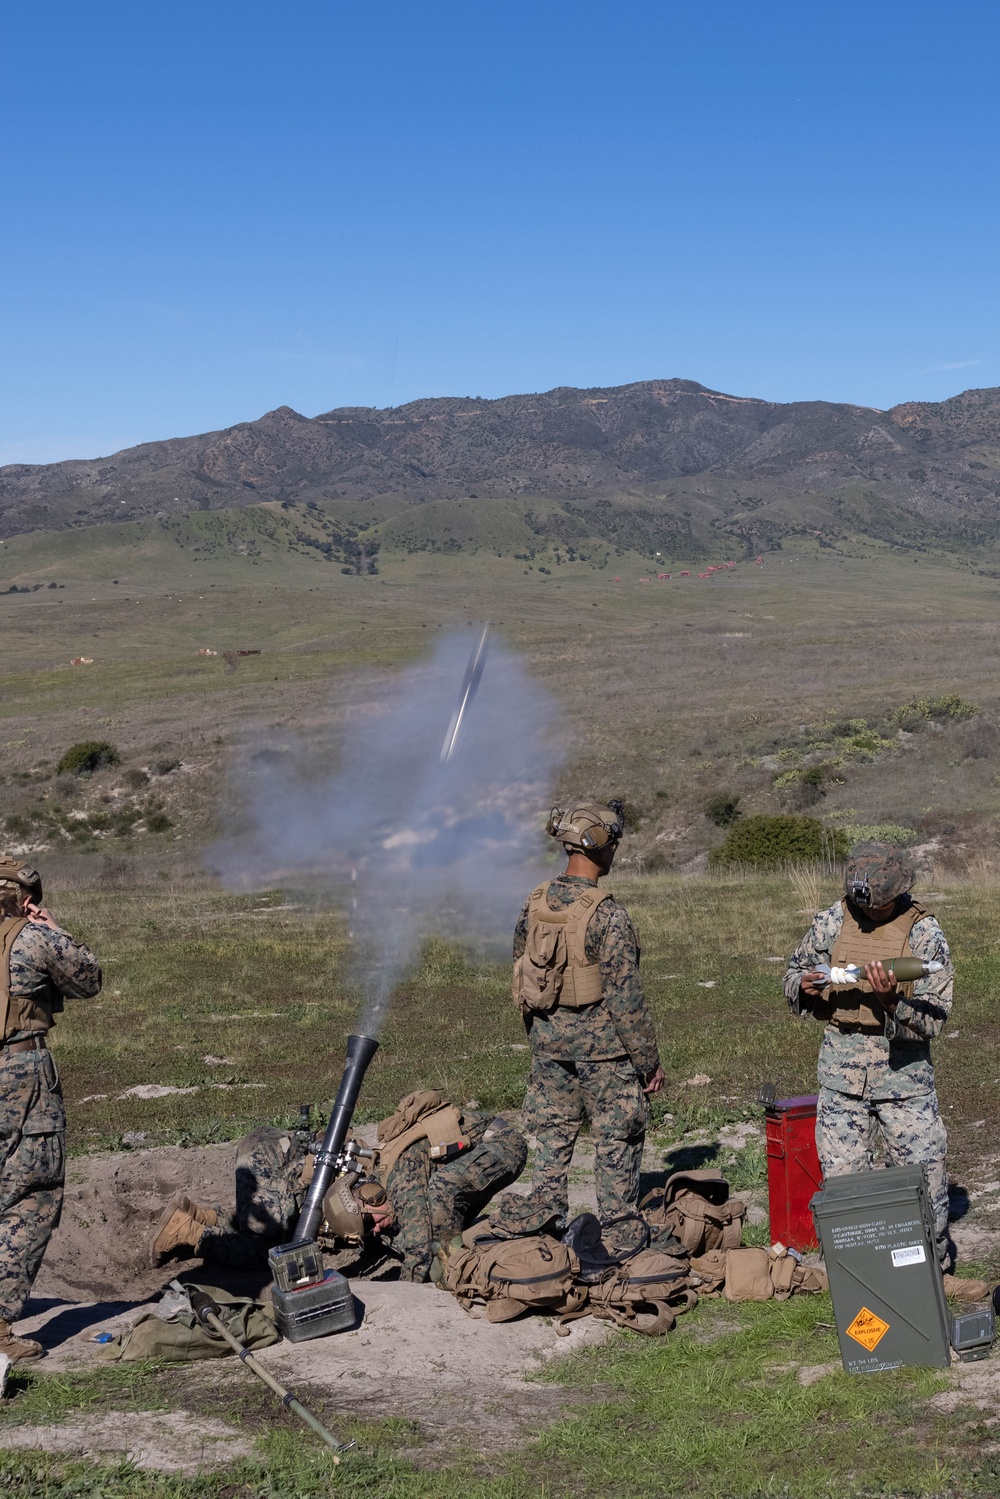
{"x": 192, "y": 973}
{"x": 738, "y": 1402}
{"x": 669, "y": 694}
{"x": 719, "y": 1408}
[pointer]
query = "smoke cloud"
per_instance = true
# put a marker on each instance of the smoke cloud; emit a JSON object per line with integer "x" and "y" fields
{"x": 409, "y": 847}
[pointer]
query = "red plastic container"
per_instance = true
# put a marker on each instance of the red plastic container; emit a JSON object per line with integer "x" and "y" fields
{"x": 793, "y": 1170}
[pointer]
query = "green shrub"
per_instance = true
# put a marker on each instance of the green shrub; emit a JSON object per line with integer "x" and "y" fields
{"x": 89, "y": 755}
{"x": 157, "y": 821}
{"x": 768, "y": 841}
{"x": 136, "y": 779}
{"x": 949, "y": 707}
{"x": 881, "y": 832}
{"x": 723, "y": 809}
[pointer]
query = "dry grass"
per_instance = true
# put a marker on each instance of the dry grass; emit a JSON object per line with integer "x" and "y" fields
{"x": 671, "y": 693}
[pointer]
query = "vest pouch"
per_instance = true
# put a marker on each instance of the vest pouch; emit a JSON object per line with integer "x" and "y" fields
{"x": 554, "y": 968}
{"x": 538, "y": 973}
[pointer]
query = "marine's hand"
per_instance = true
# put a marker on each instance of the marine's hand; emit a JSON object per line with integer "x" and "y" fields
{"x": 813, "y": 983}
{"x": 39, "y": 915}
{"x": 656, "y": 1082}
{"x": 884, "y": 984}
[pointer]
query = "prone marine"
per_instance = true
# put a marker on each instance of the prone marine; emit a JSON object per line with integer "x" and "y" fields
{"x": 432, "y": 1173}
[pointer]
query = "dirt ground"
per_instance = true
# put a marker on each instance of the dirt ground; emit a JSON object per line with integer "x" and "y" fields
{"x": 413, "y": 1353}
{"x": 408, "y": 1340}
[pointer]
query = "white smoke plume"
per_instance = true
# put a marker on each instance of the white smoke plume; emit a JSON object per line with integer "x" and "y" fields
{"x": 409, "y": 847}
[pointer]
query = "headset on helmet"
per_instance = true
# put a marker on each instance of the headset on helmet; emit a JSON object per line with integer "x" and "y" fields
{"x": 346, "y": 1203}
{"x": 589, "y": 826}
{"x": 16, "y": 872}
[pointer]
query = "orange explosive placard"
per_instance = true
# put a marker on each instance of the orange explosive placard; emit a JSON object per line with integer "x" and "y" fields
{"x": 867, "y": 1329}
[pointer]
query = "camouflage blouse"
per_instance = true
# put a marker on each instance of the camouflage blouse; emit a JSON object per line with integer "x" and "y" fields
{"x": 46, "y": 964}
{"x": 620, "y": 1025}
{"x": 896, "y": 1064}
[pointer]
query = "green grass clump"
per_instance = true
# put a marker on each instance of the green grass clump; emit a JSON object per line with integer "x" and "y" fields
{"x": 880, "y": 832}
{"x": 89, "y": 755}
{"x": 767, "y": 841}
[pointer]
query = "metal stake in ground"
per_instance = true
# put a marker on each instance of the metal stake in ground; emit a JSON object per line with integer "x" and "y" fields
{"x": 210, "y": 1313}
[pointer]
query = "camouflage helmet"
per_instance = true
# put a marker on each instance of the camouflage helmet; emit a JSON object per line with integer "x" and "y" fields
{"x": 16, "y": 877}
{"x": 587, "y": 827}
{"x": 877, "y": 873}
{"x": 346, "y": 1203}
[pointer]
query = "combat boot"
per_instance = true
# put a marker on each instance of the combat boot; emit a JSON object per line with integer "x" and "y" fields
{"x": 208, "y": 1216}
{"x": 178, "y": 1229}
{"x": 18, "y": 1349}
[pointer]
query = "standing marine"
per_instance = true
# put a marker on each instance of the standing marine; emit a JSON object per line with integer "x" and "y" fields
{"x": 40, "y": 967}
{"x": 432, "y": 1172}
{"x": 875, "y": 1071}
{"x": 593, "y": 1046}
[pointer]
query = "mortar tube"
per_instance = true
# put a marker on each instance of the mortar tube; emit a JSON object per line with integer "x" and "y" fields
{"x": 360, "y": 1050}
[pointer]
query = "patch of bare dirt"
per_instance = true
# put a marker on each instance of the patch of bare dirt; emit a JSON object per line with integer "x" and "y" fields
{"x": 169, "y": 1442}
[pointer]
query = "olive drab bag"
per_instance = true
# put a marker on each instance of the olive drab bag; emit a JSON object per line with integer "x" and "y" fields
{"x": 173, "y": 1332}
{"x": 696, "y": 1208}
{"x": 554, "y": 968}
{"x": 646, "y": 1293}
{"x": 511, "y": 1276}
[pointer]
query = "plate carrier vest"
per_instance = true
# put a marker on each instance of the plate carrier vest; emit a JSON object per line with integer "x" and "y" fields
{"x": 554, "y": 968}
{"x": 862, "y": 945}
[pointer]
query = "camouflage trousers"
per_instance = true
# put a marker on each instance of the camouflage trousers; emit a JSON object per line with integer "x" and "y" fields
{"x": 912, "y": 1133}
{"x": 269, "y": 1196}
{"x": 559, "y": 1095}
{"x": 32, "y": 1165}
{"x": 431, "y": 1203}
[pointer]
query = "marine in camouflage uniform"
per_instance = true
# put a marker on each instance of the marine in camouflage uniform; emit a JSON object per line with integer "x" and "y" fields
{"x": 40, "y": 966}
{"x": 597, "y": 1061}
{"x": 877, "y": 1080}
{"x": 426, "y": 1204}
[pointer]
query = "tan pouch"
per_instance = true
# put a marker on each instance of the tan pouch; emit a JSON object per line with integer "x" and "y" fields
{"x": 511, "y": 1276}
{"x": 748, "y": 1275}
{"x": 708, "y": 1272}
{"x": 696, "y": 1208}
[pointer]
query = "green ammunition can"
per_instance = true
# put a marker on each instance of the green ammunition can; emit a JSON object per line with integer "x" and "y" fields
{"x": 877, "y": 1236}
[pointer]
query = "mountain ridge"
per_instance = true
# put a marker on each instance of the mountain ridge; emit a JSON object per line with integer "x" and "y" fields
{"x": 672, "y": 449}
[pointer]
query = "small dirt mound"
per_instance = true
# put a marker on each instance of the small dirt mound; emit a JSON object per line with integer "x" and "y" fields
{"x": 112, "y": 1202}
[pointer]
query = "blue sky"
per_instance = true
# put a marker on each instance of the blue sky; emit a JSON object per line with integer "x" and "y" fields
{"x": 214, "y": 209}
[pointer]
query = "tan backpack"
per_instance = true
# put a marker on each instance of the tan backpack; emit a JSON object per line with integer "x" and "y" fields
{"x": 696, "y": 1208}
{"x": 645, "y": 1294}
{"x": 511, "y": 1276}
{"x": 554, "y": 968}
